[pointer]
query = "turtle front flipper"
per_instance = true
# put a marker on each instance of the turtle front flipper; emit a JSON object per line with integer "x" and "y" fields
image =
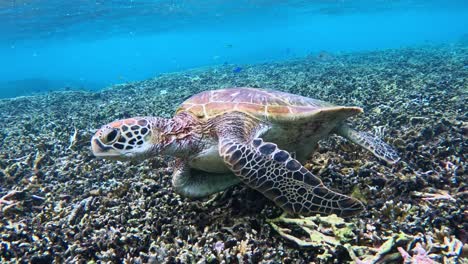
{"x": 370, "y": 142}
{"x": 273, "y": 172}
{"x": 195, "y": 184}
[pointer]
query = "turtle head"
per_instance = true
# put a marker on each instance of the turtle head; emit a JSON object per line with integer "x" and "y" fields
{"x": 128, "y": 139}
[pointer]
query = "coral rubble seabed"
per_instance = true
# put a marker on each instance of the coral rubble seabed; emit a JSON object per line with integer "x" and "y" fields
{"x": 60, "y": 203}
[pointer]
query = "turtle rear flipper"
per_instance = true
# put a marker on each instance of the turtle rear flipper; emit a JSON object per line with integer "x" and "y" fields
{"x": 370, "y": 142}
{"x": 282, "y": 179}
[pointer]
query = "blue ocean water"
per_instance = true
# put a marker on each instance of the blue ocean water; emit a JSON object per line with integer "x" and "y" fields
{"x": 54, "y": 44}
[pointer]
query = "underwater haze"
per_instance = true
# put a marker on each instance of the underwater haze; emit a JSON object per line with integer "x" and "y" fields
{"x": 48, "y": 45}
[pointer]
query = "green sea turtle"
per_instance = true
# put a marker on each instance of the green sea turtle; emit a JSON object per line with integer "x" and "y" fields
{"x": 249, "y": 135}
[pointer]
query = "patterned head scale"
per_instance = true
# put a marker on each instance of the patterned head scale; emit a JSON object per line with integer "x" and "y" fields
{"x": 123, "y": 139}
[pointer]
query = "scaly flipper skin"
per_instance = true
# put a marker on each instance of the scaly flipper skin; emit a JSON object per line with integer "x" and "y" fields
{"x": 370, "y": 142}
{"x": 273, "y": 172}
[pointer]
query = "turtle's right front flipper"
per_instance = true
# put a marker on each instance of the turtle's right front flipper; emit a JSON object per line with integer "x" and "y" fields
{"x": 271, "y": 171}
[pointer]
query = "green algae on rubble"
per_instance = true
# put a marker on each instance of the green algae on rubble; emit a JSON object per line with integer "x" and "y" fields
{"x": 324, "y": 232}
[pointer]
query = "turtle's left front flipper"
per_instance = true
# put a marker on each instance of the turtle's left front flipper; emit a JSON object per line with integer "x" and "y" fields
{"x": 273, "y": 172}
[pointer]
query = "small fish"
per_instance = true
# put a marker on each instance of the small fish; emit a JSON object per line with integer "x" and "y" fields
{"x": 237, "y": 69}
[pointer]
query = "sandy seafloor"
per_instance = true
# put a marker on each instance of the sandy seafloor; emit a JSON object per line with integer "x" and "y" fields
{"x": 63, "y": 205}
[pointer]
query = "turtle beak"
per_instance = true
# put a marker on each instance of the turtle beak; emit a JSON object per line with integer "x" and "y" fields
{"x": 102, "y": 151}
{"x": 98, "y": 148}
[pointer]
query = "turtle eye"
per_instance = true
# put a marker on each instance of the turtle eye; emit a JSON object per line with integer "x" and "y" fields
{"x": 111, "y": 136}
